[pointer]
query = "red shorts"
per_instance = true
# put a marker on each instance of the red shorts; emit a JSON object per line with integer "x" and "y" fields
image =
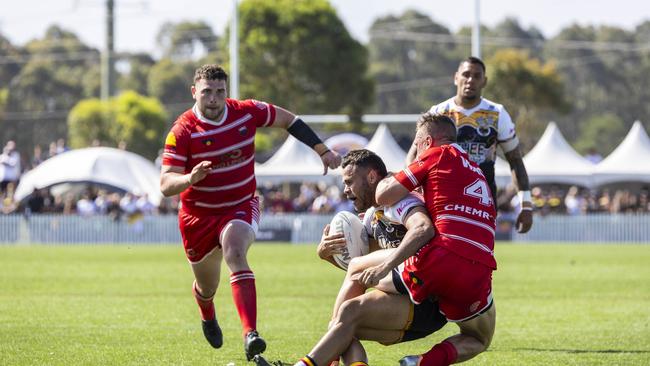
{"x": 463, "y": 287}
{"x": 202, "y": 233}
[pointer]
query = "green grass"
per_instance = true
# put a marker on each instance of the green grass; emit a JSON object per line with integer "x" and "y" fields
{"x": 131, "y": 305}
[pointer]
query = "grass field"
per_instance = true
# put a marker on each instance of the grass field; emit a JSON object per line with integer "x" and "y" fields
{"x": 131, "y": 305}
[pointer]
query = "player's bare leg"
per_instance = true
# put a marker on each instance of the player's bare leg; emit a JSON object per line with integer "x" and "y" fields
{"x": 376, "y": 316}
{"x": 236, "y": 239}
{"x": 207, "y": 274}
{"x": 475, "y": 337}
{"x": 350, "y": 288}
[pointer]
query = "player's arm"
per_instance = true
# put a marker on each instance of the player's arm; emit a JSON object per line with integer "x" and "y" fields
{"x": 520, "y": 178}
{"x": 411, "y": 154}
{"x": 301, "y": 131}
{"x": 173, "y": 179}
{"x": 419, "y": 232}
{"x": 509, "y": 143}
{"x": 389, "y": 191}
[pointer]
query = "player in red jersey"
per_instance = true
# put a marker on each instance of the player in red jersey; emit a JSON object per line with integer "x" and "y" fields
{"x": 209, "y": 159}
{"x": 456, "y": 265}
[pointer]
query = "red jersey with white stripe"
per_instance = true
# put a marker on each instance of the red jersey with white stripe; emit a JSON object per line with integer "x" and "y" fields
{"x": 458, "y": 200}
{"x": 228, "y": 143}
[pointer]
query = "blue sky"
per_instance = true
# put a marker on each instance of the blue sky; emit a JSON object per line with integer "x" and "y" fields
{"x": 139, "y": 20}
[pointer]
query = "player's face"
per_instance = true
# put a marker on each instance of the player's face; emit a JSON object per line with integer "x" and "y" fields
{"x": 357, "y": 188}
{"x": 210, "y": 96}
{"x": 470, "y": 81}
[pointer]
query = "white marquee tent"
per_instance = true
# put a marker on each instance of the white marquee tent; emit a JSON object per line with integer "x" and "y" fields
{"x": 383, "y": 144}
{"x": 553, "y": 160}
{"x": 629, "y": 162}
{"x": 115, "y": 168}
{"x": 294, "y": 162}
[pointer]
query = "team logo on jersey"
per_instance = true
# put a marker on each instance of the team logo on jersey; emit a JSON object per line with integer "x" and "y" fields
{"x": 170, "y": 141}
{"x": 207, "y": 142}
{"x": 484, "y": 124}
{"x": 243, "y": 131}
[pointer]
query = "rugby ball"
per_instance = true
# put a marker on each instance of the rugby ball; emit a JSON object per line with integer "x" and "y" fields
{"x": 356, "y": 238}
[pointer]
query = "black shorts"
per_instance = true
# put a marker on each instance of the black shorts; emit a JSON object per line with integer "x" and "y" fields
{"x": 426, "y": 315}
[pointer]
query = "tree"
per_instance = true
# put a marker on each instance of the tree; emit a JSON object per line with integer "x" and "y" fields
{"x": 598, "y": 133}
{"x": 185, "y": 41}
{"x": 170, "y": 82}
{"x": 138, "y": 121}
{"x": 528, "y": 88}
{"x": 298, "y": 54}
{"x": 413, "y": 60}
{"x": 137, "y": 75}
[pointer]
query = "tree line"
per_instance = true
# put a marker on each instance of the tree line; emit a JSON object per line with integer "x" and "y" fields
{"x": 591, "y": 80}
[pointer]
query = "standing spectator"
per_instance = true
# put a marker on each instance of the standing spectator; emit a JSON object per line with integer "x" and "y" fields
{"x": 574, "y": 202}
{"x": 61, "y": 146}
{"x": 209, "y": 159}
{"x": 9, "y": 165}
{"x": 37, "y": 159}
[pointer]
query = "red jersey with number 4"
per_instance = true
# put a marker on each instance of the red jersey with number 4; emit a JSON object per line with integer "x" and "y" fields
{"x": 458, "y": 200}
{"x": 228, "y": 143}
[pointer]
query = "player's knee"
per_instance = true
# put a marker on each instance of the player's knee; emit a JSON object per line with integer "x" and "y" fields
{"x": 234, "y": 255}
{"x": 350, "y": 311}
{"x": 355, "y": 266}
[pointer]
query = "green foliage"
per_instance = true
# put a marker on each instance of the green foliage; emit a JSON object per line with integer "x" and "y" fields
{"x": 412, "y": 74}
{"x": 170, "y": 82}
{"x": 136, "y": 78}
{"x": 138, "y": 121}
{"x": 131, "y": 305}
{"x": 298, "y": 54}
{"x": 89, "y": 121}
{"x": 526, "y": 87}
{"x": 601, "y": 133}
{"x": 184, "y": 41}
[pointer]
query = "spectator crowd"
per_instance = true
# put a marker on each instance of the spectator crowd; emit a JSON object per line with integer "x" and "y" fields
{"x": 317, "y": 198}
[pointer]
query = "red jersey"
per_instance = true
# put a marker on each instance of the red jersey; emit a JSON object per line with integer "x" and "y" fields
{"x": 458, "y": 200}
{"x": 228, "y": 143}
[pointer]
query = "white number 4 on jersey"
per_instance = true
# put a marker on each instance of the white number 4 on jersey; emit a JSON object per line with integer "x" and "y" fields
{"x": 480, "y": 190}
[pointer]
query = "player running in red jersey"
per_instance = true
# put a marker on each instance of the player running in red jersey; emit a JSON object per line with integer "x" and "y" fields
{"x": 456, "y": 265}
{"x": 209, "y": 159}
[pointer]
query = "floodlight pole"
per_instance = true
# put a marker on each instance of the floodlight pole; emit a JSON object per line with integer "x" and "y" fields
{"x": 234, "y": 52}
{"x": 476, "y": 30}
{"x": 108, "y": 57}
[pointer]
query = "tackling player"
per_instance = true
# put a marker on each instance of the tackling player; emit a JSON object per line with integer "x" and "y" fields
{"x": 209, "y": 159}
{"x": 456, "y": 266}
{"x": 482, "y": 125}
{"x": 377, "y": 315}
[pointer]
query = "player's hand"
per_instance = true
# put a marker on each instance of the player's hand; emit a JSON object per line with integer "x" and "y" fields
{"x": 331, "y": 160}
{"x": 200, "y": 171}
{"x": 371, "y": 276}
{"x": 330, "y": 244}
{"x": 524, "y": 221}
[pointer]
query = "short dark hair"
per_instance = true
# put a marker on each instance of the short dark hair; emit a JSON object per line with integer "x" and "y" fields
{"x": 475, "y": 61}
{"x": 437, "y": 125}
{"x": 366, "y": 159}
{"x": 210, "y": 72}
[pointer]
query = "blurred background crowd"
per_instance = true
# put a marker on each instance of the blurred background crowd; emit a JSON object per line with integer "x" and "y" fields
{"x": 318, "y": 198}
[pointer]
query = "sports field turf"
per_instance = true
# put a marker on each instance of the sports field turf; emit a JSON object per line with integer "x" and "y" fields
{"x": 131, "y": 305}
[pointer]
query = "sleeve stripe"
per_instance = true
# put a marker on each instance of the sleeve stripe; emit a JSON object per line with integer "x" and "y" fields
{"x": 411, "y": 177}
{"x": 175, "y": 156}
{"x": 268, "y": 115}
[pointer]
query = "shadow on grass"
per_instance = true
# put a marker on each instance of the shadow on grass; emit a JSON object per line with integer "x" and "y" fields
{"x": 580, "y": 350}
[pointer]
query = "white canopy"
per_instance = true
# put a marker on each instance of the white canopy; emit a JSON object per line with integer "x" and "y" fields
{"x": 294, "y": 162}
{"x": 553, "y": 160}
{"x": 383, "y": 144}
{"x": 629, "y": 162}
{"x": 120, "y": 169}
